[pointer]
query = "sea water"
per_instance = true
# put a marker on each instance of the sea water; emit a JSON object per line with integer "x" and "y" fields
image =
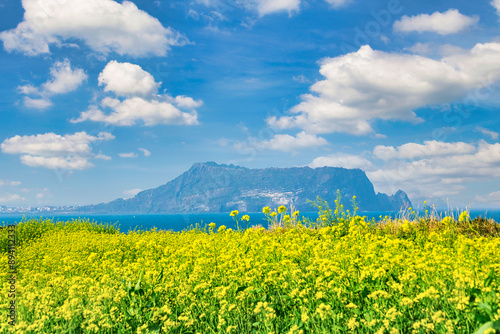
{"x": 180, "y": 222}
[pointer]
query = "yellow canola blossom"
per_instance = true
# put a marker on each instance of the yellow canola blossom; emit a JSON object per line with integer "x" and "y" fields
{"x": 288, "y": 280}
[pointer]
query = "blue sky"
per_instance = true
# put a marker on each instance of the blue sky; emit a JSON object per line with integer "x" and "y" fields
{"x": 101, "y": 99}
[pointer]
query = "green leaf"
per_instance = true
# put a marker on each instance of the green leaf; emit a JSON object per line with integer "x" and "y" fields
{"x": 496, "y": 325}
{"x": 138, "y": 284}
{"x": 474, "y": 292}
{"x": 241, "y": 288}
{"x": 484, "y": 327}
{"x": 395, "y": 278}
{"x": 486, "y": 307}
{"x": 154, "y": 329}
{"x": 490, "y": 278}
{"x": 160, "y": 277}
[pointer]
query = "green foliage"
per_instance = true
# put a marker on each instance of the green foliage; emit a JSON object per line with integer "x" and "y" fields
{"x": 338, "y": 274}
{"x": 281, "y": 219}
{"x": 29, "y": 230}
{"x": 339, "y": 218}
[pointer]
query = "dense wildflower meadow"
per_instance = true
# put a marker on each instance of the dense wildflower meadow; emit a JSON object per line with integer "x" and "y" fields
{"x": 338, "y": 274}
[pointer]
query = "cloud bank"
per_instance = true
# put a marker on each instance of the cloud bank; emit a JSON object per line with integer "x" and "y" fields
{"x": 103, "y": 25}
{"x": 449, "y": 22}
{"x": 54, "y": 151}
{"x": 63, "y": 79}
{"x": 367, "y": 85}
{"x": 136, "y": 100}
{"x": 267, "y": 7}
{"x": 430, "y": 170}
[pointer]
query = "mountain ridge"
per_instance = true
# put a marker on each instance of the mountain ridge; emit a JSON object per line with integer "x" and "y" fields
{"x": 212, "y": 187}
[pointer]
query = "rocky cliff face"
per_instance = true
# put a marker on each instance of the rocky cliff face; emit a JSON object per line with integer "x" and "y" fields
{"x": 210, "y": 187}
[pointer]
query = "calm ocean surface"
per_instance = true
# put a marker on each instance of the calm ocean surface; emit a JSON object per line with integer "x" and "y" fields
{"x": 179, "y": 222}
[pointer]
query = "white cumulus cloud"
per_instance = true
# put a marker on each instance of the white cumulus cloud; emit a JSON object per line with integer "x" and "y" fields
{"x": 491, "y": 198}
{"x": 430, "y": 148}
{"x": 6, "y": 198}
{"x": 134, "y": 110}
{"x": 63, "y": 79}
{"x": 449, "y": 22}
{"x": 288, "y": 143}
{"x": 496, "y": 4}
{"x": 66, "y": 162}
{"x": 261, "y": 7}
{"x": 343, "y": 160}
{"x": 40, "y": 103}
{"x": 438, "y": 169}
{"x": 127, "y": 155}
{"x": 9, "y": 183}
{"x": 338, "y": 3}
{"x": 28, "y": 89}
{"x": 187, "y": 102}
{"x": 420, "y": 48}
{"x": 301, "y": 78}
{"x": 132, "y": 192}
{"x": 104, "y": 25}
{"x": 25, "y": 38}
{"x": 126, "y": 79}
{"x": 432, "y": 171}
{"x": 492, "y": 134}
{"x": 139, "y": 101}
{"x": 102, "y": 156}
{"x": 366, "y": 85}
{"x": 54, "y": 151}
{"x": 145, "y": 152}
{"x": 265, "y": 7}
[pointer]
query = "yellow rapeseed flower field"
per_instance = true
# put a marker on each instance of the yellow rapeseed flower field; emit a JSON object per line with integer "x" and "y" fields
{"x": 340, "y": 274}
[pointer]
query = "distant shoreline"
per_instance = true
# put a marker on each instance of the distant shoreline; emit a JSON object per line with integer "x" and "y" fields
{"x": 181, "y": 221}
{"x": 493, "y": 210}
